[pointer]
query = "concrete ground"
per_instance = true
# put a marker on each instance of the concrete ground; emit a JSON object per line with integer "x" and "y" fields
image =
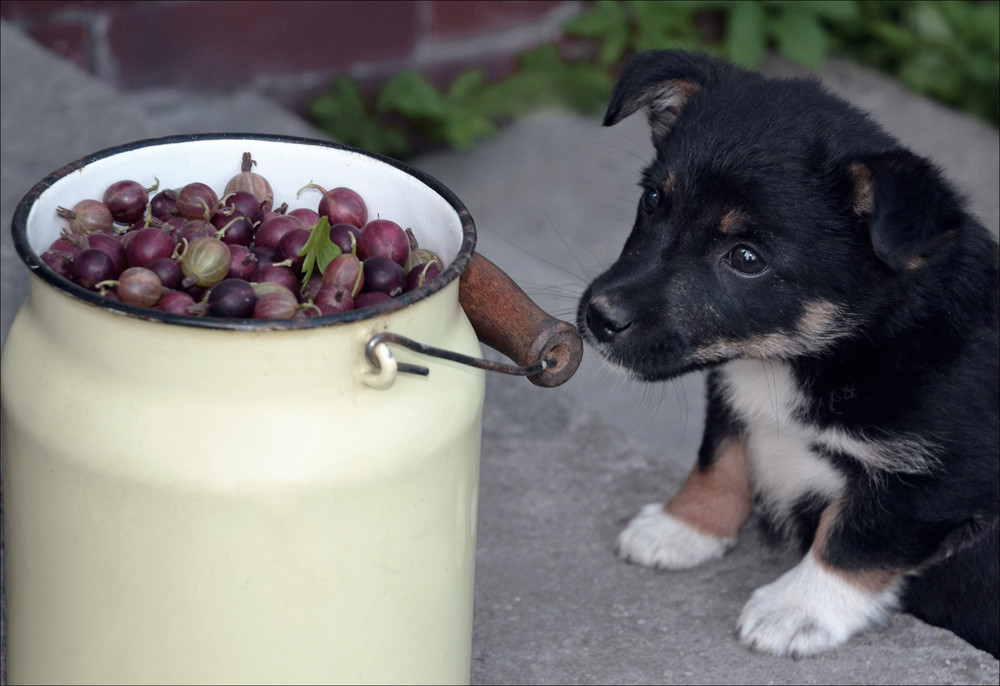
{"x": 562, "y": 469}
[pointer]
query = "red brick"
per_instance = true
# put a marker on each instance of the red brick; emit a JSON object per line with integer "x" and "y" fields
{"x": 493, "y": 67}
{"x": 68, "y": 39}
{"x": 453, "y": 19}
{"x": 13, "y": 10}
{"x": 38, "y": 11}
{"x": 225, "y": 44}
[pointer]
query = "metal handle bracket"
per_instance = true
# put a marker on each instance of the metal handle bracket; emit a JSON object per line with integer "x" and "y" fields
{"x": 479, "y": 363}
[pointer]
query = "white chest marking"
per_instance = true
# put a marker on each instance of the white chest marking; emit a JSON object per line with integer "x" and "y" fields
{"x": 783, "y": 467}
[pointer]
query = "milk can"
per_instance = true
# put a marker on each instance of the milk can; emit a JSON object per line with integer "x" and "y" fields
{"x": 201, "y": 500}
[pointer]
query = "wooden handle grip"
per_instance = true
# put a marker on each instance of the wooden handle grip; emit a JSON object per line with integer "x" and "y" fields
{"x": 510, "y": 322}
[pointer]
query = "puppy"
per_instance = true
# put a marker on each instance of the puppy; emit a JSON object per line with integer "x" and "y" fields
{"x": 845, "y": 304}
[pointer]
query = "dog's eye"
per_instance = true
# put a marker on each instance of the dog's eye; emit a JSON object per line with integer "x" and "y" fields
{"x": 651, "y": 200}
{"x": 745, "y": 260}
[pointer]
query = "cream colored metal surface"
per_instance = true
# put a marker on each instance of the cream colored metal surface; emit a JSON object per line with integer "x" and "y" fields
{"x": 199, "y": 505}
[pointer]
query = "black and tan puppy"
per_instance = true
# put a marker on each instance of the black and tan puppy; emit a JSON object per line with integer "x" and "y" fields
{"x": 846, "y": 305}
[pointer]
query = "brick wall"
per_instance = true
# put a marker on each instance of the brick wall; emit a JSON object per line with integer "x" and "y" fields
{"x": 289, "y": 51}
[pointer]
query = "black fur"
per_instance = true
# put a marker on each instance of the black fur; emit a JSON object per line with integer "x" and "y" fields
{"x": 879, "y": 293}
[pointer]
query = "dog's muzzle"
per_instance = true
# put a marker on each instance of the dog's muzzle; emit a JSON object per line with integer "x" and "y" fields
{"x": 604, "y": 320}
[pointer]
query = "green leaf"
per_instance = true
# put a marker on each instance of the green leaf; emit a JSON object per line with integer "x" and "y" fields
{"x": 593, "y": 22}
{"x": 801, "y": 38}
{"x": 746, "y": 37}
{"x": 341, "y": 104}
{"x": 604, "y": 21}
{"x": 978, "y": 24}
{"x": 467, "y": 86}
{"x": 897, "y": 37}
{"x": 319, "y": 250}
{"x": 613, "y": 48}
{"x": 833, "y": 10}
{"x": 930, "y": 23}
{"x": 467, "y": 128}
{"x": 543, "y": 57}
{"x": 546, "y": 79}
{"x": 341, "y": 112}
{"x": 661, "y": 25}
{"x": 585, "y": 88}
{"x": 929, "y": 71}
{"x": 378, "y": 136}
{"x": 412, "y": 95}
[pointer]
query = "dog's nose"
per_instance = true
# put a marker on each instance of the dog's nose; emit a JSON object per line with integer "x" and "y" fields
{"x": 604, "y": 321}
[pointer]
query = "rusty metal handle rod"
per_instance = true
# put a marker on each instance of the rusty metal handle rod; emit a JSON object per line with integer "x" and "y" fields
{"x": 478, "y": 362}
{"x": 507, "y": 320}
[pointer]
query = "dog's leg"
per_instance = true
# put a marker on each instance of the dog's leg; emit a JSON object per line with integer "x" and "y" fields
{"x": 701, "y": 521}
{"x": 816, "y": 606}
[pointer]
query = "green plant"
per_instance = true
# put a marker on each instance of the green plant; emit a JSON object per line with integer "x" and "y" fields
{"x": 947, "y": 50}
{"x": 409, "y": 113}
{"x": 743, "y": 32}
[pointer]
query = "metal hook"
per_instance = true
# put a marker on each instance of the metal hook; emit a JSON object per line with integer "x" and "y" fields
{"x": 479, "y": 363}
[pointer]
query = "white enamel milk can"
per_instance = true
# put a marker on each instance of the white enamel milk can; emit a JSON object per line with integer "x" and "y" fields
{"x": 200, "y": 500}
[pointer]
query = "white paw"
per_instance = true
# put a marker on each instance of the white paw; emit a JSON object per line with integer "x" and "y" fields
{"x": 809, "y": 610}
{"x": 656, "y": 539}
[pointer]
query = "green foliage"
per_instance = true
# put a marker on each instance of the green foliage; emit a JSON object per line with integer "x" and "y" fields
{"x": 343, "y": 113}
{"x": 319, "y": 251}
{"x": 947, "y": 50}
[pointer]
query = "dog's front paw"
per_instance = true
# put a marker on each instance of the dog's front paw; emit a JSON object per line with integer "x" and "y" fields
{"x": 809, "y": 610}
{"x": 656, "y": 539}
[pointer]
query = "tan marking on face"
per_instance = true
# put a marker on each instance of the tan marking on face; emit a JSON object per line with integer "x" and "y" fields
{"x": 821, "y": 324}
{"x": 919, "y": 261}
{"x": 763, "y": 347}
{"x": 668, "y": 184}
{"x": 718, "y": 501}
{"x": 870, "y": 579}
{"x": 731, "y": 221}
{"x": 864, "y": 189}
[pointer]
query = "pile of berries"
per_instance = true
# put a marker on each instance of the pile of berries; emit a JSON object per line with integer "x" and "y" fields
{"x": 197, "y": 252}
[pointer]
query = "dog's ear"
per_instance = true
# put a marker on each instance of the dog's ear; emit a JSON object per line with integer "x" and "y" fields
{"x": 910, "y": 209}
{"x": 662, "y": 81}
